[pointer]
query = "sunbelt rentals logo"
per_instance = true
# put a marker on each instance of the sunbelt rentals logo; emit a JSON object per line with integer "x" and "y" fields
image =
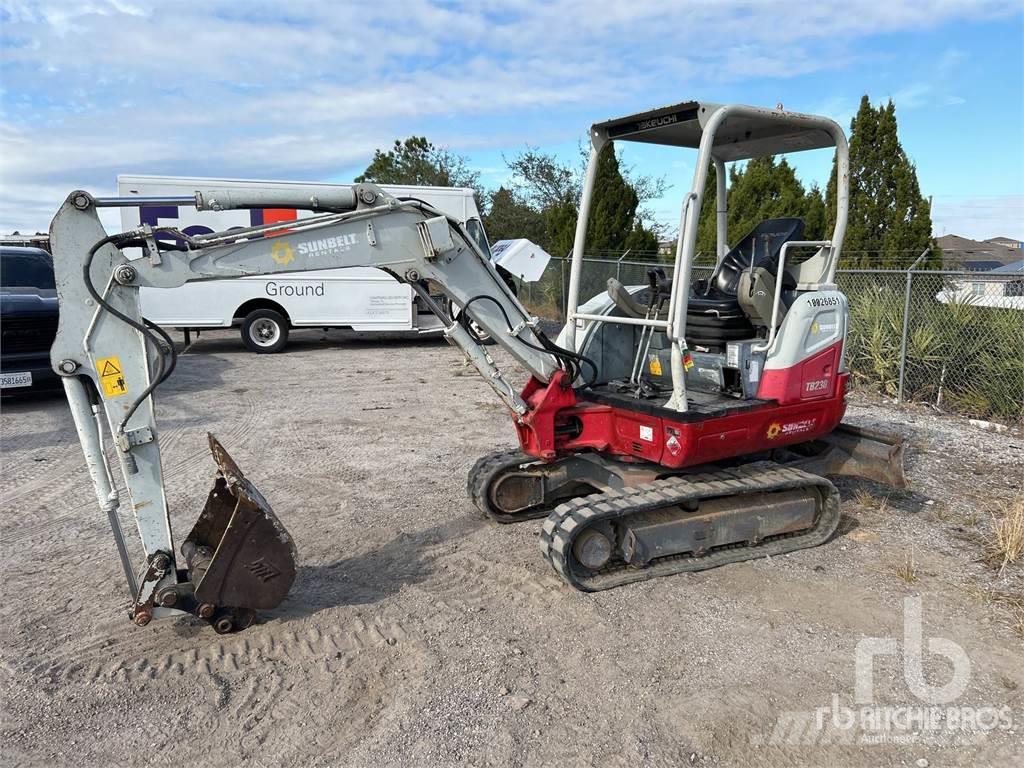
{"x": 282, "y": 253}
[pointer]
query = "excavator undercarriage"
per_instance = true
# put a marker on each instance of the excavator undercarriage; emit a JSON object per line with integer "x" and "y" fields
{"x": 614, "y": 522}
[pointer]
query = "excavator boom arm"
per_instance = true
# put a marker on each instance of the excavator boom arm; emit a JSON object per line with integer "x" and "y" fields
{"x": 111, "y": 359}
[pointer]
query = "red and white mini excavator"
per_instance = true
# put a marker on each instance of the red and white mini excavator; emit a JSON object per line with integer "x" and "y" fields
{"x": 673, "y": 426}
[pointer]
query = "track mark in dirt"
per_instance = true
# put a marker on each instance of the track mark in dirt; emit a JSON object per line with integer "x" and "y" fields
{"x": 68, "y": 482}
{"x": 122, "y": 659}
{"x": 482, "y": 582}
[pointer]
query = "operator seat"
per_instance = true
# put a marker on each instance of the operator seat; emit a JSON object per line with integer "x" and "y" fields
{"x": 714, "y": 315}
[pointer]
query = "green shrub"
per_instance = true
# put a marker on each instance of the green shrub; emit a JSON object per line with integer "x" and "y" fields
{"x": 961, "y": 356}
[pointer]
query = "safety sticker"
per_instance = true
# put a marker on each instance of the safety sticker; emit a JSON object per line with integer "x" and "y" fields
{"x": 111, "y": 377}
{"x": 655, "y": 365}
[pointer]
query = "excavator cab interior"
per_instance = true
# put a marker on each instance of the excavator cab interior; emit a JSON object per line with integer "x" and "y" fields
{"x": 733, "y": 303}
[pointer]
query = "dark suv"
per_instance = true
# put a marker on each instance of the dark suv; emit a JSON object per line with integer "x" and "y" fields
{"x": 28, "y": 319}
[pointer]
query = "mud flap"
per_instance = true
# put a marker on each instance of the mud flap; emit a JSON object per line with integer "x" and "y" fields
{"x": 238, "y": 554}
{"x": 858, "y": 452}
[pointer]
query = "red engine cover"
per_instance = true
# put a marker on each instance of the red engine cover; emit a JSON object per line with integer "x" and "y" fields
{"x": 560, "y": 424}
{"x": 811, "y": 379}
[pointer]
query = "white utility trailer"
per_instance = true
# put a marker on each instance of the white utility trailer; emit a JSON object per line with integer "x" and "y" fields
{"x": 265, "y": 308}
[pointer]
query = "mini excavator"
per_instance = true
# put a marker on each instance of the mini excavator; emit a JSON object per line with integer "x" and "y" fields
{"x": 672, "y": 426}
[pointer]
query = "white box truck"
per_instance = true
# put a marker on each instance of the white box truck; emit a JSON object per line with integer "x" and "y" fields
{"x": 265, "y": 308}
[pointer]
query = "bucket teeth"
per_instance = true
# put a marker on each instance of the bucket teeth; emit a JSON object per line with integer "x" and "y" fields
{"x": 238, "y": 553}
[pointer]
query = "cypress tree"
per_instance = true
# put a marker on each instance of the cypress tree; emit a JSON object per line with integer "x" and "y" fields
{"x": 560, "y": 226}
{"x": 815, "y": 216}
{"x": 763, "y": 189}
{"x": 706, "y": 238}
{"x": 640, "y": 240}
{"x": 612, "y": 208}
{"x": 889, "y": 220}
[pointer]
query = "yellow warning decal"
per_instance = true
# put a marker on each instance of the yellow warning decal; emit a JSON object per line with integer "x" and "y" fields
{"x": 111, "y": 377}
{"x": 655, "y": 365}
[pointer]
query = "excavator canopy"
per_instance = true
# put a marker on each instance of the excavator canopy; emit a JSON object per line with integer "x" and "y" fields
{"x": 768, "y": 132}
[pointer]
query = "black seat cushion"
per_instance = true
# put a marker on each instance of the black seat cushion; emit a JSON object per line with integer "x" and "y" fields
{"x": 760, "y": 248}
{"x": 714, "y": 315}
{"x": 714, "y": 304}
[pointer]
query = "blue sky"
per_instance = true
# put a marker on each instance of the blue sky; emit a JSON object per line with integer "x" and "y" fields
{"x": 304, "y": 90}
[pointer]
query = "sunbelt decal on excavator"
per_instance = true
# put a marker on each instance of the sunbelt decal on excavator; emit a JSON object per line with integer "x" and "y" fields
{"x": 326, "y": 245}
{"x": 282, "y": 253}
{"x": 775, "y": 429}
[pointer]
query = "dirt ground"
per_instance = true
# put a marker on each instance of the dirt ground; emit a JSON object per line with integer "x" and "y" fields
{"x": 418, "y": 633}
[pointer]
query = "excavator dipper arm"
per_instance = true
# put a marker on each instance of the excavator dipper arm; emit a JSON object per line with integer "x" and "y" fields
{"x": 239, "y": 556}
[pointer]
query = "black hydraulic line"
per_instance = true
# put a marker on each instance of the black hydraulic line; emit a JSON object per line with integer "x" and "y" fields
{"x": 570, "y": 361}
{"x": 163, "y": 370}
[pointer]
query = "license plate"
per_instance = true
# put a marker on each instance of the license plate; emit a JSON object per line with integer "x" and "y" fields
{"x": 10, "y": 380}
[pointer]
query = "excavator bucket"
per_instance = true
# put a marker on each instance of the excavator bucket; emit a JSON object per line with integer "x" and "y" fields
{"x": 859, "y": 452}
{"x": 239, "y": 554}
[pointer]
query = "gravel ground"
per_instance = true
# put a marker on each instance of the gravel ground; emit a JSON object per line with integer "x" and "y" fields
{"x": 418, "y": 633}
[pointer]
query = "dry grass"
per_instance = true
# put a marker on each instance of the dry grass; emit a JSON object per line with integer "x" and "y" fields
{"x": 1009, "y": 604}
{"x": 1006, "y": 543}
{"x": 907, "y": 570}
{"x": 865, "y": 499}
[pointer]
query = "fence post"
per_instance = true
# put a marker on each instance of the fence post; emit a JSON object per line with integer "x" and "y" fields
{"x": 906, "y": 324}
{"x": 618, "y": 265}
{"x": 561, "y": 288}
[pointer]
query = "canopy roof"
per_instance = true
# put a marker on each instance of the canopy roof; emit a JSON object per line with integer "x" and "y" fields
{"x": 753, "y": 132}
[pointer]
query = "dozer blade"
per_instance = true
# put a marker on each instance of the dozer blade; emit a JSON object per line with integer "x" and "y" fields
{"x": 859, "y": 452}
{"x": 238, "y": 553}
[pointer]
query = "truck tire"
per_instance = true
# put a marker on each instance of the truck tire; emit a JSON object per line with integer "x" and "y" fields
{"x": 265, "y": 331}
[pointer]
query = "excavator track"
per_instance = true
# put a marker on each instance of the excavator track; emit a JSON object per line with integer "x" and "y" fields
{"x": 482, "y": 477}
{"x": 677, "y": 500}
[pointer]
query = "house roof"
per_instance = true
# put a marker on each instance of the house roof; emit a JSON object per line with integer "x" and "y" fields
{"x": 986, "y": 265}
{"x": 1017, "y": 266}
{"x": 958, "y": 250}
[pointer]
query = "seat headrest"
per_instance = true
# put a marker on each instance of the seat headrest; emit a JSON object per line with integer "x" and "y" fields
{"x": 761, "y": 246}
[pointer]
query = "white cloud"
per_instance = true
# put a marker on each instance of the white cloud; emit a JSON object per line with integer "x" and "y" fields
{"x": 913, "y": 96}
{"x": 979, "y": 218}
{"x": 305, "y": 90}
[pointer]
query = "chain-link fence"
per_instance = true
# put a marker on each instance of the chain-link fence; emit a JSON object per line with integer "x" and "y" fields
{"x": 954, "y": 339}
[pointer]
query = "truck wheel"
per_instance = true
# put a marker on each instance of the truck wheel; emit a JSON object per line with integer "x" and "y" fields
{"x": 264, "y": 331}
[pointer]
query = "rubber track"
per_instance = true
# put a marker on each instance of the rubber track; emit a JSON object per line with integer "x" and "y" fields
{"x": 571, "y": 518}
{"x": 485, "y": 472}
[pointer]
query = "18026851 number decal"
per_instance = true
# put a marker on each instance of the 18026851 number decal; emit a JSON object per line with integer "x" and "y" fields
{"x": 824, "y": 301}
